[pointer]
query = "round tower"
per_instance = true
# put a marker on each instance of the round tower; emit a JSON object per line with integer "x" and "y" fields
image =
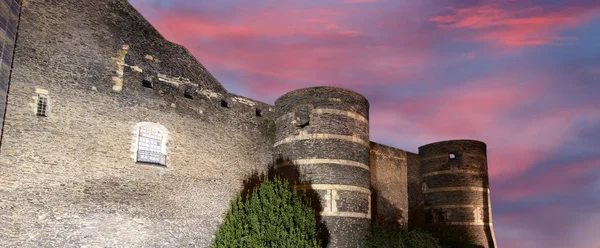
{"x": 322, "y": 147}
{"x": 456, "y": 191}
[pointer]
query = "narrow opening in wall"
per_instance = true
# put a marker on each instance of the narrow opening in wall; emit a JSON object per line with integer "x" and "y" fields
{"x": 42, "y": 105}
{"x": 452, "y": 155}
{"x": 224, "y": 104}
{"x": 259, "y": 112}
{"x": 147, "y": 83}
{"x": 188, "y": 94}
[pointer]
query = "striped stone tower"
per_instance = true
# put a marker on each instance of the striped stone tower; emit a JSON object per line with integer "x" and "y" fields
{"x": 456, "y": 189}
{"x": 322, "y": 147}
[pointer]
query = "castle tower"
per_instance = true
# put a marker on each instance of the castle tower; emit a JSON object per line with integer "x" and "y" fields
{"x": 456, "y": 190}
{"x": 322, "y": 147}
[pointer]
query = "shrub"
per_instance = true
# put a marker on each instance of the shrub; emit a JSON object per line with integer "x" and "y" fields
{"x": 400, "y": 237}
{"x": 274, "y": 215}
{"x": 450, "y": 238}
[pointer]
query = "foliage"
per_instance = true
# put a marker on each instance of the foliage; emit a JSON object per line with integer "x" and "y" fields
{"x": 401, "y": 237}
{"x": 453, "y": 238}
{"x": 274, "y": 215}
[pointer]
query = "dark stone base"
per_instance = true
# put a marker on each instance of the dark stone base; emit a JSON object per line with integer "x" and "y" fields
{"x": 346, "y": 231}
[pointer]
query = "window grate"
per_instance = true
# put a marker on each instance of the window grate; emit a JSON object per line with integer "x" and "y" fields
{"x": 151, "y": 157}
{"x": 150, "y": 146}
{"x": 42, "y": 105}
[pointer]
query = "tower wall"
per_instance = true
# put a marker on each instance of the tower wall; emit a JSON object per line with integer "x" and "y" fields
{"x": 456, "y": 190}
{"x": 322, "y": 146}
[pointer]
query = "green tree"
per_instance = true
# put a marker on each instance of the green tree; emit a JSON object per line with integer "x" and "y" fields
{"x": 274, "y": 215}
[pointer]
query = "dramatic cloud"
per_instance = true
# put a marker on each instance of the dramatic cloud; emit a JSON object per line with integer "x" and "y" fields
{"x": 521, "y": 76}
{"x": 518, "y": 25}
{"x": 279, "y": 48}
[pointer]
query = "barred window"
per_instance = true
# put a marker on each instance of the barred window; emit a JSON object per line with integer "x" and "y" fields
{"x": 151, "y": 145}
{"x": 42, "y": 105}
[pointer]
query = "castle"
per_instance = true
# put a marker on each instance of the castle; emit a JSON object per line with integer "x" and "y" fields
{"x": 115, "y": 137}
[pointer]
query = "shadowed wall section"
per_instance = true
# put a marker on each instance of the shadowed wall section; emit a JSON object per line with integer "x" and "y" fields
{"x": 396, "y": 186}
{"x": 322, "y": 145}
{"x": 416, "y": 216}
{"x": 456, "y": 189}
{"x": 389, "y": 185}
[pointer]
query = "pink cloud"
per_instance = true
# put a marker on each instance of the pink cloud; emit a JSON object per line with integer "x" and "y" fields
{"x": 479, "y": 110}
{"x": 472, "y": 111}
{"x": 533, "y": 26}
{"x": 563, "y": 179}
{"x": 553, "y": 224}
{"x": 362, "y": 1}
{"x": 470, "y": 55}
{"x": 277, "y": 46}
{"x": 473, "y": 108}
{"x": 522, "y": 143}
{"x": 264, "y": 23}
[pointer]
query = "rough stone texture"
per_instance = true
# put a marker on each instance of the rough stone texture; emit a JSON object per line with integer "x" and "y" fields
{"x": 457, "y": 180}
{"x": 349, "y": 201}
{"x": 342, "y": 232}
{"x": 416, "y": 214}
{"x": 464, "y": 161}
{"x": 70, "y": 179}
{"x": 324, "y": 97}
{"x": 457, "y": 197}
{"x": 433, "y": 199}
{"x": 347, "y": 232}
{"x": 327, "y": 174}
{"x": 352, "y": 201}
{"x": 332, "y": 124}
{"x": 389, "y": 185}
{"x": 324, "y": 149}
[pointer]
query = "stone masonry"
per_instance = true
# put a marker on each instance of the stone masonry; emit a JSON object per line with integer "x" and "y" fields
{"x": 116, "y": 137}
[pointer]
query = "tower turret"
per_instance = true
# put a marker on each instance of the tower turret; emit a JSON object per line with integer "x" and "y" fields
{"x": 322, "y": 146}
{"x": 456, "y": 190}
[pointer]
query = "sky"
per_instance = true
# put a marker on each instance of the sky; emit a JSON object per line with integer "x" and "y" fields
{"x": 522, "y": 76}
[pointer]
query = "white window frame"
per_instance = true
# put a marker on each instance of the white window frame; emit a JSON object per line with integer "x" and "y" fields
{"x": 142, "y": 144}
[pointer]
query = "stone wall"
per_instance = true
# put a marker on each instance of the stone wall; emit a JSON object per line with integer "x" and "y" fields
{"x": 70, "y": 178}
{"x": 322, "y": 146}
{"x": 416, "y": 215}
{"x": 389, "y": 185}
{"x": 456, "y": 189}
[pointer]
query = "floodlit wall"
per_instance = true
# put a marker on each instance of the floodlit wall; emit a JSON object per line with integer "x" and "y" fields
{"x": 116, "y": 92}
{"x": 9, "y": 20}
